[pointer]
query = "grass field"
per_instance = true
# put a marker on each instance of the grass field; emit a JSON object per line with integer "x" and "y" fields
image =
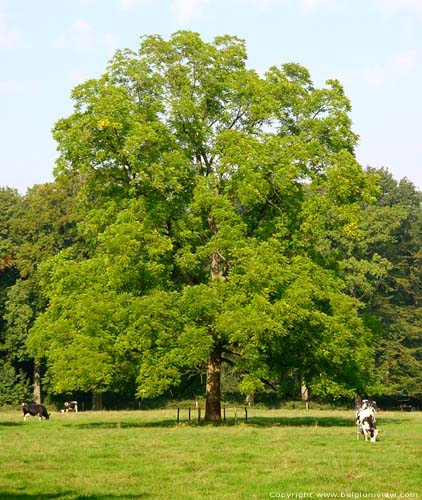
{"x": 286, "y": 454}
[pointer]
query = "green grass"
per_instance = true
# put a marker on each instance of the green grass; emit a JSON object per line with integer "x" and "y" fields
{"x": 145, "y": 455}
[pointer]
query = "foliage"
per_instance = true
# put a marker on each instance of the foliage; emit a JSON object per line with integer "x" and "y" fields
{"x": 44, "y": 224}
{"x": 14, "y": 387}
{"x": 9, "y": 203}
{"x": 67, "y": 333}
{"x": 393, "y": 241}
{"x": 39, "y": 225}
{"x": 218, "y": 205}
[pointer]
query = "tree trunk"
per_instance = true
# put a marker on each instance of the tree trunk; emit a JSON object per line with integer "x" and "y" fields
{"x": 97, "y": 401}
{"x": 37, "y": 382}
{"x": 304, "y": 392}
{"x": 213, "y": 385}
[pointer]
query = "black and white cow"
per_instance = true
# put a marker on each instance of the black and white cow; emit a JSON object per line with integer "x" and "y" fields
{"x": 33, "y": 410}
{"x": 70, "y": 406}
{"x": 368, "y": 426}
{"x": 366, "y": 422}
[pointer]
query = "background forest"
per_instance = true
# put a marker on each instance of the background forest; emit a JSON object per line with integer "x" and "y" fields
{"x": 209, "y": 232}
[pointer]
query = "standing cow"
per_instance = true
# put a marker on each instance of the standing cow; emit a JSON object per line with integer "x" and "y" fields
{"x": 366, "y": 422}
{"x": 33, "y": 410}
{"x": 70, "y": 406}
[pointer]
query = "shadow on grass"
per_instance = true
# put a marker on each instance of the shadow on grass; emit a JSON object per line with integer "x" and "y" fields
{"x": 120, "y": 425}
{"x": 299, "y": 421}
{"x": 29, "y": 496}
{"x": 69, "y": 496}
{"x": 311, "y": 421}
{"x": 293, "y": 421}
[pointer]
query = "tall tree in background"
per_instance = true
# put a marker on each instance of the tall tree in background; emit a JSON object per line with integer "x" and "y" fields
{"x": 43, "y": 223}
{"x": 13, "y": 383}
{"x": 220, "y": 203}
{"x": 9, "y": 205}
{"x": 393, "y": 239}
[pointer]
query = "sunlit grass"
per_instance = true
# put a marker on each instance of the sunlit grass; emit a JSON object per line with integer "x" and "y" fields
{"x": 144, "y": 454}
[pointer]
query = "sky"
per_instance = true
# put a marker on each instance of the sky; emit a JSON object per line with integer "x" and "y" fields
{"x": 373, "y": 47}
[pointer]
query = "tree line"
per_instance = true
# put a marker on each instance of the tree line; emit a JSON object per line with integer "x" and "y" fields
{"x": 206, "y": 218}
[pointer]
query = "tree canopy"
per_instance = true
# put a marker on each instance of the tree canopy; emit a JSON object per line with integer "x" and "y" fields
{"x": 220, "y": 206}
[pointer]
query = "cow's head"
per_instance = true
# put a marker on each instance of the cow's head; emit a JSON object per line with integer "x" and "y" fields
{"x": 374, "y": 435}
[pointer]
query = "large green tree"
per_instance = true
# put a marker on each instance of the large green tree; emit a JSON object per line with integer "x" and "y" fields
{"x": 219, "y": 204}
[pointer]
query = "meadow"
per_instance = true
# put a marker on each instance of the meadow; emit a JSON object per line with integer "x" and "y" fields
{"x": 286, "y": 454}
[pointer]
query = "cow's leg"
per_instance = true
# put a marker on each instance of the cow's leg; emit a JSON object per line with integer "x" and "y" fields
{"x": 25, "y": 416}
{"x": 374, "y": 435}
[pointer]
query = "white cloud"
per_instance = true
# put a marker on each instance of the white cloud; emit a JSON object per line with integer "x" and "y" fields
{"x": 81, "y": 35}
{"x": 126, "y": 5}
{"x": 375, "y": 75}
{"x": 188, "y": 10}
{"x": 309, "y": 6}
{"x": 9, "y": 37}
{"x": 397, "y": 6}
{"x": 406, "y": 60}
{"x": 111, "y": 42}
{"x": 19, "y": 87}
{"x": 76, "y": 77}
{"x": 305, "y": 6}
{"x": 395, "y": 67}
{"x": 264, "y": 5}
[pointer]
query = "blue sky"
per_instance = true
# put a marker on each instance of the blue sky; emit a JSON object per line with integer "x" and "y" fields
{"x": 374, "y": 47}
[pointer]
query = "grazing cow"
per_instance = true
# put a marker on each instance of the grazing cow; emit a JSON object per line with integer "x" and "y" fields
{"x": 34, "y": 409}
{"x": 70, "y": 406}
{"x": 405, "y": 405}
{"x": 366, "y": 422}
